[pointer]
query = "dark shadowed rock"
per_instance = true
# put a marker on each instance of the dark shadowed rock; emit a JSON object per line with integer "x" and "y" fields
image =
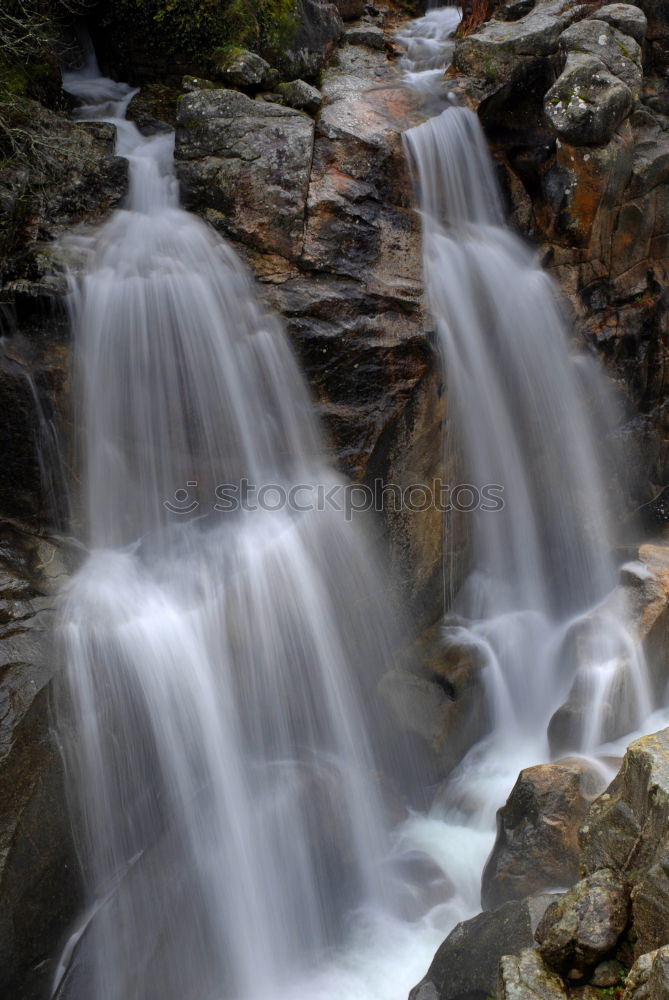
{"x": 39, "y": 886}
{"x": 537, "y": 831}
{"x": 319, "y": 29}
{"x": 244, "y": 165}
{"x": 466, "y": 963}
{"x": 527, "y": 977}
{"x": 585, "y": 924}
{"x": 350, "y": 9}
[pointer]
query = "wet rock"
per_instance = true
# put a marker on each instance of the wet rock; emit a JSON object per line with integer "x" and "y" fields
{"x": 367, "y": 35}
{"x": 527, "y": 977}
{"x": 241, "y": 68}
{"x": 537, "y": 831}
{"x": 627, "y": 831}
{"x": 626, "y": 17}
{"x": 648, "y": 979}
{"x": 245, "y": 166}
{"x": 39, "y": 886}
{"x": 587, "y": 103}
{"x": 300, "y": 95}
{"x": 319, "y": 29}
{"x": 584, "y": 926}
{"x": 466, "y": 963}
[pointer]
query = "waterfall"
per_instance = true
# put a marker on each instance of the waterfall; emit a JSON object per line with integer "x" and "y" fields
{"x": 219, "y": 718}
{"x": 535, "y": 420}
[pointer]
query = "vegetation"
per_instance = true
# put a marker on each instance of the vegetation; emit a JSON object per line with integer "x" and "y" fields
{"x": 188, "y": 32}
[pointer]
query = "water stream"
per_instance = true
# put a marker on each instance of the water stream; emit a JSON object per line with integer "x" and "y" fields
{"x": 220, "y": 721}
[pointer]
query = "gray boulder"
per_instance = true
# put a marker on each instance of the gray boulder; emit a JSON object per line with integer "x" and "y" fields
{"x": 587, "y": 103}
{"x": 620, "y": 53}
{"x": 367, "y": 35}
{"x": 626, "y": 17}
{"x": 241, "y": 68}
{"x": 527, "y": 977}
{"x": 300, "y": 95}
{"x": 466, "y": 963}
{"x": 585, "y": 924}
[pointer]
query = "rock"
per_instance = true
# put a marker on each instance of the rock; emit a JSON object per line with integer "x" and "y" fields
{"x": 367, "y": 35}
{"x": 300, "y": 95}
{"x": 350, "y": 9}
{"x": 626, "y": 17}
{"x": 537, "y": 831}
{"x": 620, "y": 53}
{"x": 319, "y": 29}
{"x": 191, "y": 83}
{"x": 587, "y": 103}
{"x": 39, "y": 884}
{"x": 241, "y": 68}
{"x": 585, "y": 924}
{"x": 627, "y": 831}
{"x": 501, "y": 51}
{"x": 245, "y": 166}
{"x": 527, "y": 977}
{"x": 648, "y": 979}
{"x": 466, "y": 963}
{"x": 607, "y": 974}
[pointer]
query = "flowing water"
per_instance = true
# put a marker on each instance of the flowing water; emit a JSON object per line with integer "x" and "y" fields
{"x": 220, "y": 723}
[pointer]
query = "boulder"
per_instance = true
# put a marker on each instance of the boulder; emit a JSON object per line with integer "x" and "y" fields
{"x": 626, "y": 17}
{"x": 648, "y": 979}
{"x": 245, "y": 166}
{"x": 587, "y": 103}
{"x": 585, "y": 924}
{"x": 466, "y": 963}
{"x": 537, "y": 831}
{"x": 367, "y": 35}
{"x": 527, "y": 977}
{"x": 319, "y": 28}
{"x": 500, "y": 51}
{"x": 627, "y": 830}
{"x": 620, "y": 53}
{"x": 241, "y": 68}
{"x": 300, "y": 95}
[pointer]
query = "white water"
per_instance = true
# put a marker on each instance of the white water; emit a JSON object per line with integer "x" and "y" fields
{"x": 220, "y": 723}
{"x": 222, "y": 666}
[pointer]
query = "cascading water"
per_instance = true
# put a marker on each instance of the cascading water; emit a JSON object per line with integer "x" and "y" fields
{"x": 222, "y": 661}
{"x": 218, "y": 722}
